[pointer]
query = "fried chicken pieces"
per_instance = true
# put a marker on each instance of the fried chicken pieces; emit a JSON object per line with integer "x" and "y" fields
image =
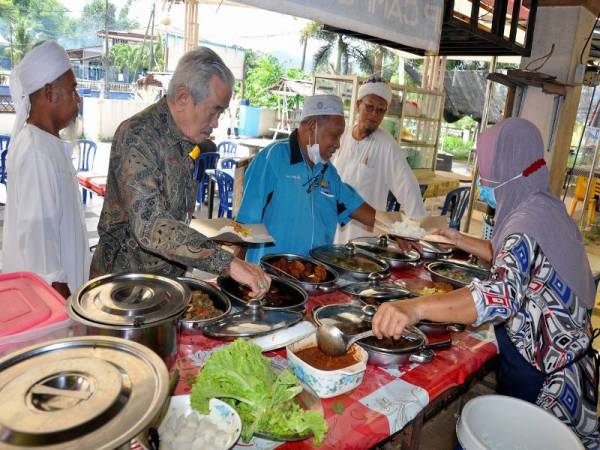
{"x": 313, "y": 273}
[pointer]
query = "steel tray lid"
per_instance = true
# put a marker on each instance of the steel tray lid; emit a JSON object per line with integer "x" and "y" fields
{"x": 348, "y": 257}
{"x": 352, "y": 319}
{"x": 385, "y": 247}
{"x": 377, "y": 290}
{"x": 87, "y": 392}
{"x": 130, "y": 299}
{"x": 252, "y": 321}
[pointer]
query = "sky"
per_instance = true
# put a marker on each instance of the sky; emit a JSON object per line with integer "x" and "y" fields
{"x": 253, "y": 28}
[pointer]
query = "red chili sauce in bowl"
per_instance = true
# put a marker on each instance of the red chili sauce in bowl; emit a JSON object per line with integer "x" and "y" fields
{"x": 314, "y": 357}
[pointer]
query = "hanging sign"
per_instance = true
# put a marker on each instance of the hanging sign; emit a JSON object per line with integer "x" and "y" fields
{"x": 414, "y": 23}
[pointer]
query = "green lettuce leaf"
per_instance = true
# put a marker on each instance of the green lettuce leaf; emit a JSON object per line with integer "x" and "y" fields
{"x": 240, "y": 375}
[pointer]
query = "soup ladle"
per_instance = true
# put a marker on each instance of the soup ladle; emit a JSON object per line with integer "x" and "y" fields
{"x": 333, "y": 342}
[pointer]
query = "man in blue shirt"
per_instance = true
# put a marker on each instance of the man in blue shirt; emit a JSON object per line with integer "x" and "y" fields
{"x": 291, "y": 187}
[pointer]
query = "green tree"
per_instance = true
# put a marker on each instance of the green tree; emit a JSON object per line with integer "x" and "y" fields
{"x": 347, "y": 50}
{"x": 129, "y": 59}
{"x": 262, "y": 73}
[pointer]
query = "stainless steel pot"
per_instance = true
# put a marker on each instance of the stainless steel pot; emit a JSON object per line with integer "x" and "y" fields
{"x": 439, "y": 329}
{"x": 353, "y": 319}
{"x": 89, "y": 392}
{"x": 471, "y": 271}
{"x": 387, "y": 249}
{"x": 138, "y": 307}
{"x": 329, "y": 285}
{"x": 350, "y": 262}
{"x": 220, "y": 301}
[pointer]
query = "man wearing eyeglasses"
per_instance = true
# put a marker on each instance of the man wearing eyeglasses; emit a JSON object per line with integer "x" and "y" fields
{"x": 372, "y": 162}
{"x": 293, "y": 189}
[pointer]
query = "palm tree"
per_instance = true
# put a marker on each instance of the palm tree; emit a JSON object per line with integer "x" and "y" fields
{"x": 347, "y": 49}
{"x": 22, "y": 39}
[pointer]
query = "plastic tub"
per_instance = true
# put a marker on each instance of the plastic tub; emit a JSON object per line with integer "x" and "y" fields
{"x": 30, "y": 312}
{"x": 497, "y": 422}
{"x": 326, "y": 383}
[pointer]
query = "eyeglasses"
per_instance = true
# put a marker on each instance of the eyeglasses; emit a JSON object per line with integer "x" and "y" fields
{"x": 371, "y": 108}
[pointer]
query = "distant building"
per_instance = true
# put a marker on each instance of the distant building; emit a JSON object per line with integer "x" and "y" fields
{"x": 173, "y": 45}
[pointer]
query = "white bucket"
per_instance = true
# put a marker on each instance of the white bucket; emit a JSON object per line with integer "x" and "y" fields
{"x": 497, "y": 422}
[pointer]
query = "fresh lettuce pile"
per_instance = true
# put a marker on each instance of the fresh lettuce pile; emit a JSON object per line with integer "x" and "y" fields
{"x": 240, "y": 375}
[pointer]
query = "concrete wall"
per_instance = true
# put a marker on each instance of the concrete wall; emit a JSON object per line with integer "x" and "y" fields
{"x": 101, "y": 117}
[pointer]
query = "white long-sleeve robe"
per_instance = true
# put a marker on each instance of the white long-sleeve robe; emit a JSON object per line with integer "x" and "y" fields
{"x": 44, "y": 228}
{"x": 374, "y": 166}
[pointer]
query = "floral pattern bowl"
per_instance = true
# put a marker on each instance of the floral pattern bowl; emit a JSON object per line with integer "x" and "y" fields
{"x": 326, "y": 383}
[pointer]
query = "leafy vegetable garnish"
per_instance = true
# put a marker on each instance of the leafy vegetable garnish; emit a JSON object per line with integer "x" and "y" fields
{"x": 240, "y": 375}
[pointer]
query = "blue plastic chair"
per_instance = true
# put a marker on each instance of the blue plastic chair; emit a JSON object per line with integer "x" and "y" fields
{"x": 225, "y": 185}
{"x": 393, "y": 205}
{"x": 87, "y": 155}
{"x": 227, "y": 148}
{"x": 227, "y": 163}
{"x": 455, "y": 206}
{"x": 4, "y": 141}
{"x": 203, "y": 162}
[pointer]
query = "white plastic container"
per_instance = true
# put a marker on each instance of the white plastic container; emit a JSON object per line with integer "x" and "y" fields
{"x": 497, "y": 422}
{"x": 327, "y": 383}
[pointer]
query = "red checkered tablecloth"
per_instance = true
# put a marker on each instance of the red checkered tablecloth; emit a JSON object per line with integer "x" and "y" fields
{"x": 386, "y": 400}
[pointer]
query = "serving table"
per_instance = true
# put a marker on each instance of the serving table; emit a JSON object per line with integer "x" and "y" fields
{"x": 387, "y": 401}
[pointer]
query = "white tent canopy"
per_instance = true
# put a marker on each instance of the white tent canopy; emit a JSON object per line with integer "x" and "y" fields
{"x": 415, "y": 23}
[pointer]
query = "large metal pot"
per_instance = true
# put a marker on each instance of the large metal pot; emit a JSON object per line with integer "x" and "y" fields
{"x": 139, "y": 307}
{"x": 312, "y": 288}
{"x": 353, "y": 319}
{"x": 350, "y": 261}
{"x": 283, "y": 294}
{"x": 387, "y": 249}
{"x": 88, "y": 393}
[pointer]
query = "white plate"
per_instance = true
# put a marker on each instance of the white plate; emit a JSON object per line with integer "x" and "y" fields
{"x": 223, "y": 416}
{"x": 284, "y": 337}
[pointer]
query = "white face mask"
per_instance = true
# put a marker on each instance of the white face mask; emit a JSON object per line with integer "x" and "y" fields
{"x": 314, "y": 150}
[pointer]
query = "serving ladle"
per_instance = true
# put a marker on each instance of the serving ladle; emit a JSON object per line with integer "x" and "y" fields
{"x": 333, "y": 342}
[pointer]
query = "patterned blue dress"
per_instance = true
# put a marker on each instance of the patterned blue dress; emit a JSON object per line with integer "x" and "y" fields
{"x": 549, "y": 327}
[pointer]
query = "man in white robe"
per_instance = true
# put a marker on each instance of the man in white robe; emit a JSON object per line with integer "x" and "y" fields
{"x": 371, "y": 161}
{"x": 44, "y": 229}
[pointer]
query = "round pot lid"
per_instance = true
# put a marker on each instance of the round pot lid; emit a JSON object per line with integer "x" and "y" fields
{"x": 283, "y": 294}
{"x": 353, "y": 319}
{"x": 88, "y": 392}
{"x": 130, "y": 299}
{"x": 385, "y": 247}
{"x": 349, "y": 258}
{"x": 376, "y": 290}
{"x": 252, "y": 321}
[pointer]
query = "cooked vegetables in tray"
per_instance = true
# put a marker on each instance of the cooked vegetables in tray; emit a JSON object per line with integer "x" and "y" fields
{"x": 201, "y": 307}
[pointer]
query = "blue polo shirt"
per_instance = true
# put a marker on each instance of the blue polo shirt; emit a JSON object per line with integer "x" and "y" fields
{"x": 276, "y": 193}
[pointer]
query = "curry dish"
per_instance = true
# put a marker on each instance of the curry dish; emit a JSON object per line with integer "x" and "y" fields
{"x": 455, "y": 274}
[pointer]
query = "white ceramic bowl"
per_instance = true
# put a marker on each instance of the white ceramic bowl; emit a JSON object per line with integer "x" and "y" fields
{"x": 223, "y": 416}
{"x": 326, "y": 383}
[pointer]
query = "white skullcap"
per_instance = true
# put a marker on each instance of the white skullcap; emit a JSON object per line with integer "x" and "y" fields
{"x": 322, "y": 105}
{"x": 41, "y": 65}
{"x": 380, "y": 89}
